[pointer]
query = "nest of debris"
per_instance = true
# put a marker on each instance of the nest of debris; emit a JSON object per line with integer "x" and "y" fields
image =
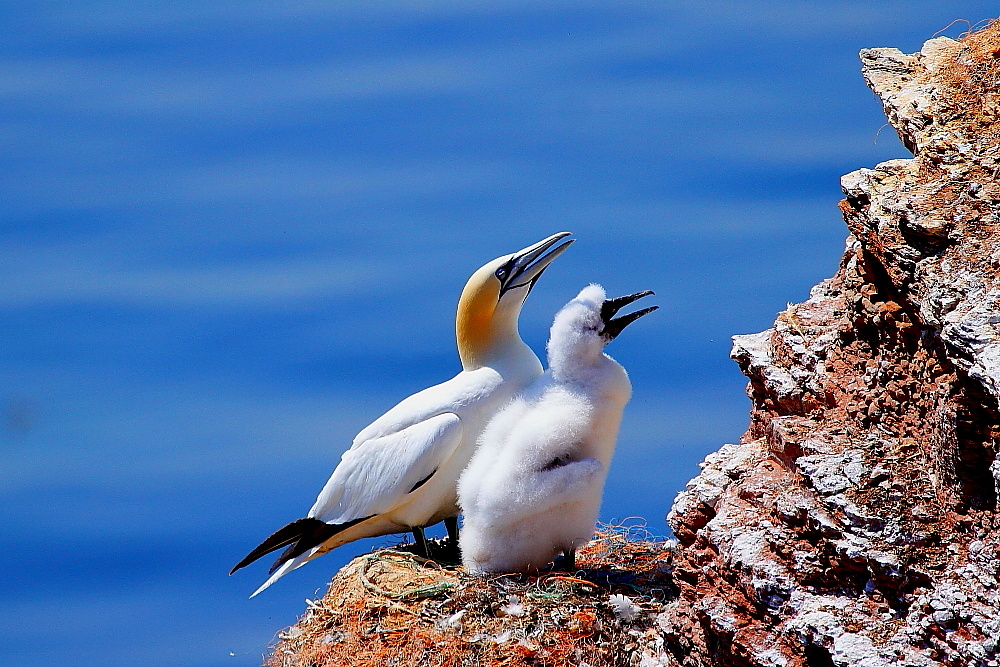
{"x": 393, "y": 608}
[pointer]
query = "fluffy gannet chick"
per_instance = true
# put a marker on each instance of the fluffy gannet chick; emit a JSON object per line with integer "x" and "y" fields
{"x": 533, "y": 488}
{"x": 401, "y": 472}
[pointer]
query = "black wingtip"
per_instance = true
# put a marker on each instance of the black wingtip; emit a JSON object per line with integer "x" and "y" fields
{"x": 319, "y": 533}
{"x": 282, "y": 537}
{"x": 299, "y": 537}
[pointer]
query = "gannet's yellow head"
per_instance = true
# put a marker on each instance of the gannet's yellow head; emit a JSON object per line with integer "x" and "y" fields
{"x": 491, "y": 301}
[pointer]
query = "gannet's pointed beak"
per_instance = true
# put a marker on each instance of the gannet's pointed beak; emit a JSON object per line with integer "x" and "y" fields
{"x": 525, "y": 266}
{"x": 615, "y": 325}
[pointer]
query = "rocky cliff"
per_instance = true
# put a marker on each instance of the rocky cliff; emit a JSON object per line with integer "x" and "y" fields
{"x": 855, "y": 523}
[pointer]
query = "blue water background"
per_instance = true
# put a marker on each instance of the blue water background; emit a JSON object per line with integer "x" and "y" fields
{"x": 232, "y": 234}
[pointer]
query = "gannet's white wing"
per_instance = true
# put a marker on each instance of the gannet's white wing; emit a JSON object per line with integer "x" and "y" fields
{"x": 389, "y": 460}
{"x": 454, "y": 395}
{"x": 376, "y": 475}
{"x": 402, "y": 448}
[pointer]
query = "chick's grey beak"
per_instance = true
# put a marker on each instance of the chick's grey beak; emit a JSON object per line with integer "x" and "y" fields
{"x": 525, "y": 266}
{"x": 615, "y": 325}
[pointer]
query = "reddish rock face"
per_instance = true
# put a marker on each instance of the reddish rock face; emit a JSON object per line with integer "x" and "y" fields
{"x": 855, "y": 523}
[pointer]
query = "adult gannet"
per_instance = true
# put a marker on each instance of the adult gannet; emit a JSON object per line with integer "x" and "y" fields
{"x": 400, "y": 474}
{"x": 534, "y": 486}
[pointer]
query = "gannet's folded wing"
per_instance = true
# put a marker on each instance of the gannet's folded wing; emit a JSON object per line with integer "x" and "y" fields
{"x": 375, "y": 476}
{"x": 459, "y": 393}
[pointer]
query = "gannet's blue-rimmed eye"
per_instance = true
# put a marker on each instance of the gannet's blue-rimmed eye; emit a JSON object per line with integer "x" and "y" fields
{"x": 501, "y": 273}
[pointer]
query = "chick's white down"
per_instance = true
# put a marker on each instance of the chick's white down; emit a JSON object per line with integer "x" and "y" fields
{"x": 533, "y": 488}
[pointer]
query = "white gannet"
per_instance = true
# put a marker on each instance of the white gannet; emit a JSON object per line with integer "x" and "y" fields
{"x": 533, "y": 488}
{"x": 401, "y": 472}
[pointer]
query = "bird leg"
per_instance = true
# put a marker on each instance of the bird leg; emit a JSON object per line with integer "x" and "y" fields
{"x": 454, "y": 551}
{"x": 451, "y": 525}
{"x": 569, "y": 560}
{"x": 420, "y": 542}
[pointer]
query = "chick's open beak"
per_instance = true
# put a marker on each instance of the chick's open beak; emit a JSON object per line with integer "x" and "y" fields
{"x": 615, "y": 325}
